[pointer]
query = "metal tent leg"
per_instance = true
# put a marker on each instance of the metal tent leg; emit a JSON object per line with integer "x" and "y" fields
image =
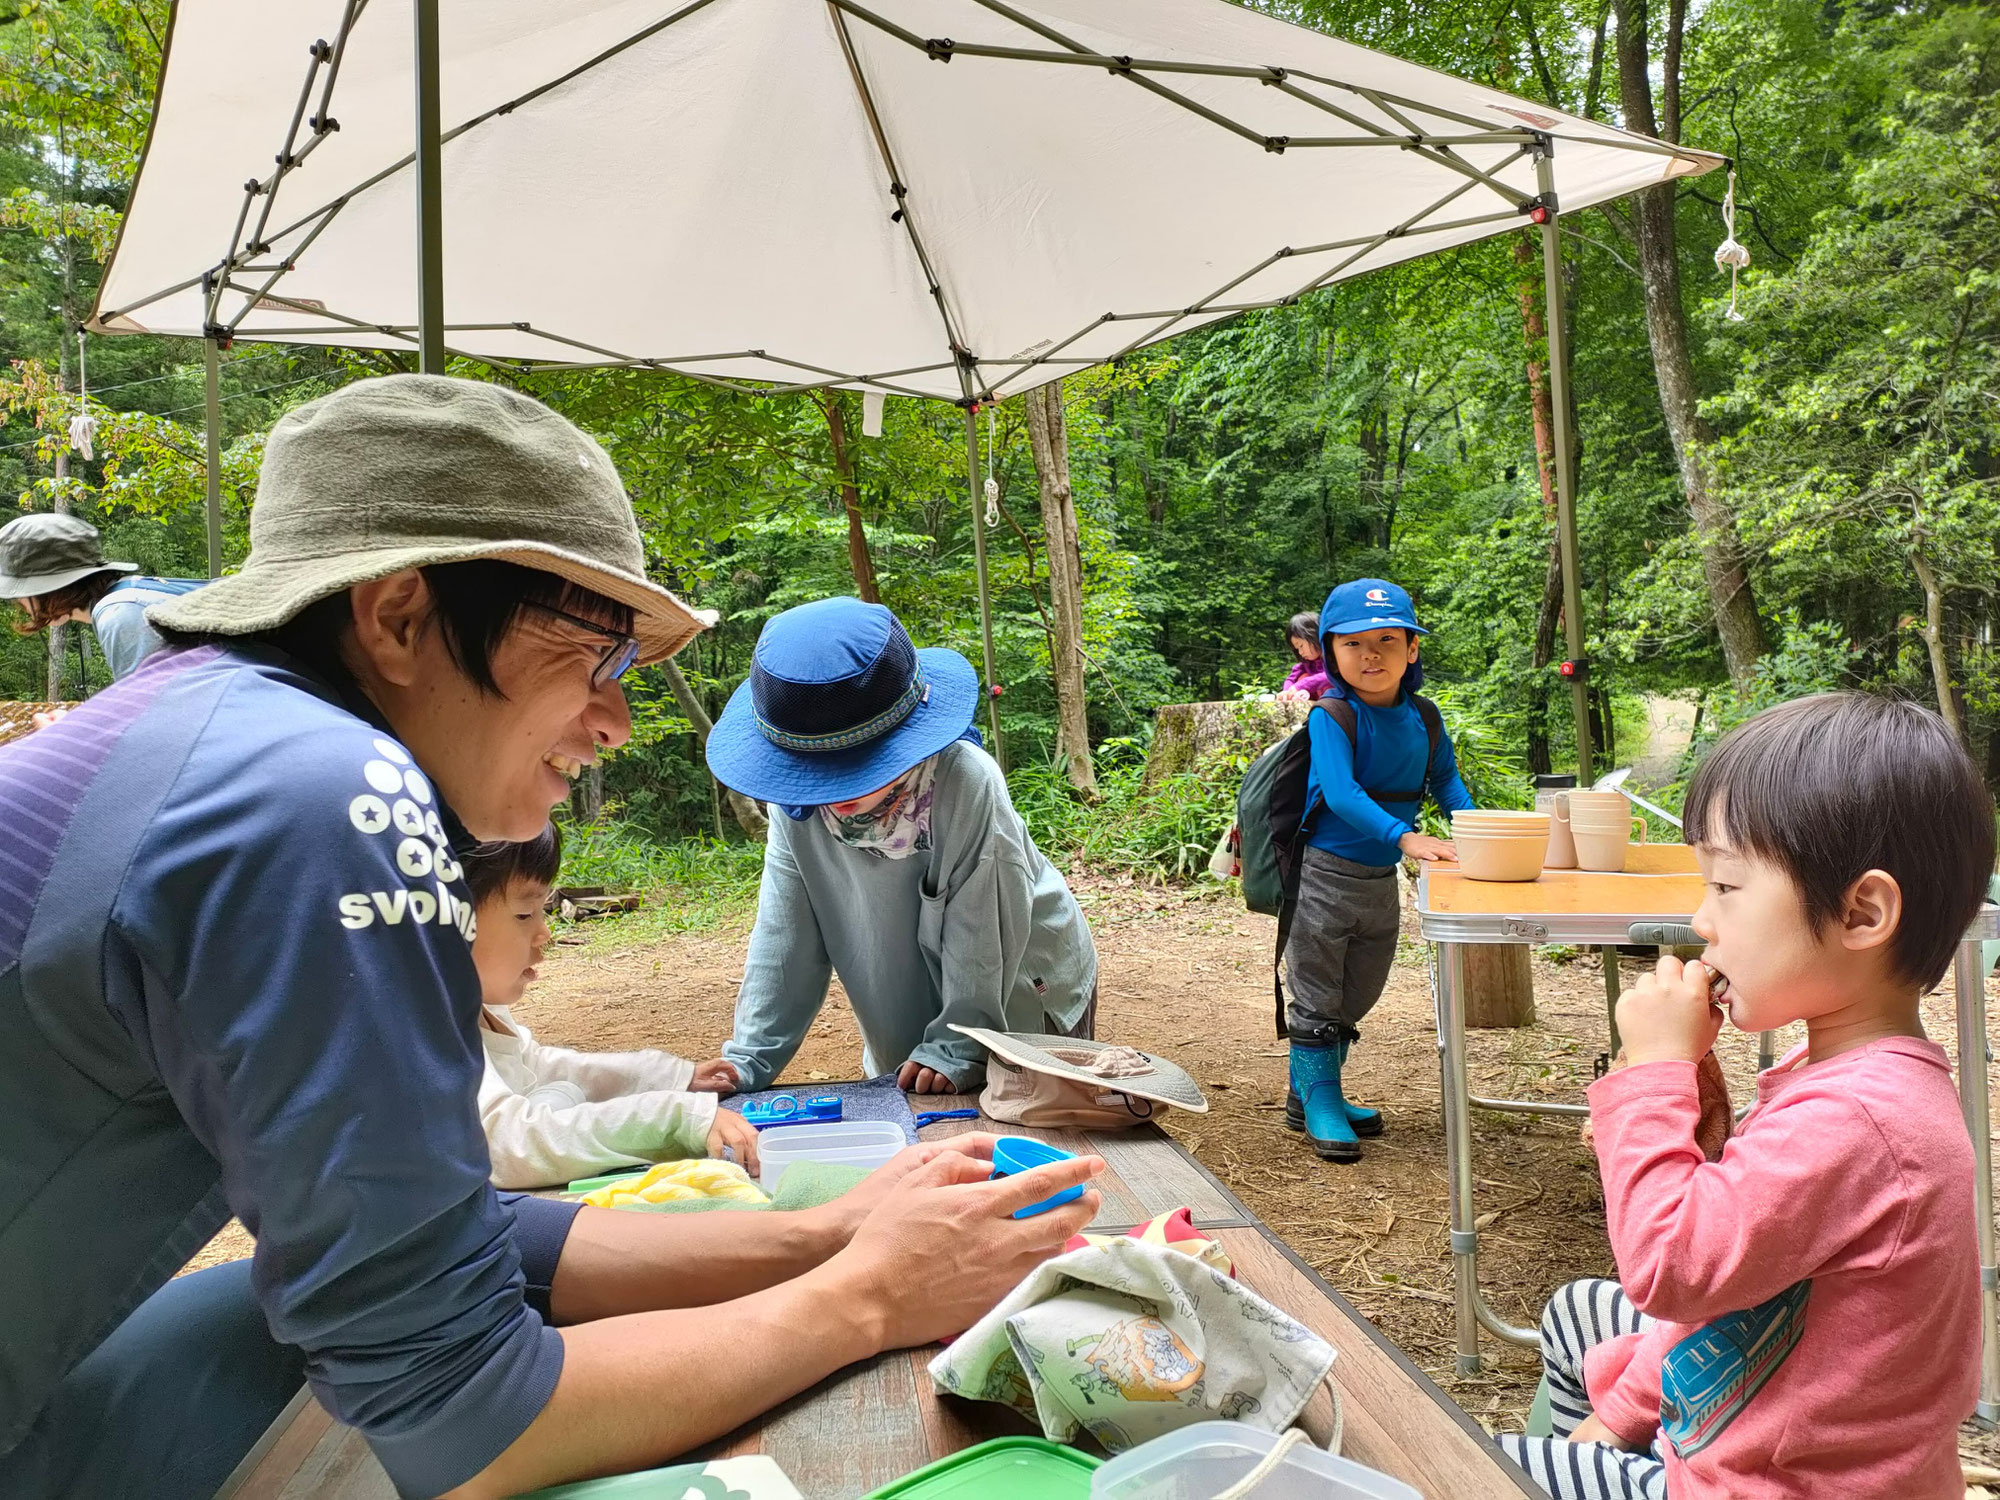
{"x": 212, "y": 380}
{"x": 430, "y": 196}
{"x": 972, "y": 488}
{"x": 1968, "y": 977}
{"x": 1572, "y": 576}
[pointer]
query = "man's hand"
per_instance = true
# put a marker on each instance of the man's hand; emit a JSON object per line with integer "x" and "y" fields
{"x": 49, "y": 716}
{"x": 942, "y": 1247}
{"x": 732, "y": 1130}
{"x": 1592, "y": 1430}
{"x": 915, "y": 1078}
{"x": 1422, "y": 846}
{"x": 715, "y": 1077}
{"x": 1668, "y": 1015}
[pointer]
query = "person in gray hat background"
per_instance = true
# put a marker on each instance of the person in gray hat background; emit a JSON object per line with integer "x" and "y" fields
{"x": 235, "y": 978}
{"x": 53, "y": 566}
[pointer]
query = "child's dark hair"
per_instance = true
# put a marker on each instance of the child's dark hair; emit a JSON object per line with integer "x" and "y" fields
{"x": 1832, "y": 786}
{"x": 491, "y": 868}
{"x": 1304, "y": 627}
{"x": 43, "y": 610}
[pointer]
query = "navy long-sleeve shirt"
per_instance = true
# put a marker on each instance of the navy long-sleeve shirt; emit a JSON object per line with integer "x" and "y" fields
{"x": 235, "y": 976}
{"x": 1388, "y": 754}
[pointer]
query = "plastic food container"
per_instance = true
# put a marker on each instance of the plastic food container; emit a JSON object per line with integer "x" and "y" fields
{"x": 753, "y": 1478}
{"x": 1010, "y": 1468}
{"x": 852, "y": 1143}
{"x": 1200, "y": 1462}
{"x": 1019, "y": 1153}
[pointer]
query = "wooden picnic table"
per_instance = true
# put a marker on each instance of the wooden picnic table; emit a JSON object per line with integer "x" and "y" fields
{"x": 880, "y": 1419}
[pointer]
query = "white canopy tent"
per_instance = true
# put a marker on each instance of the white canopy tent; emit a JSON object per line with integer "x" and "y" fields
{"x": 960, "y": 199}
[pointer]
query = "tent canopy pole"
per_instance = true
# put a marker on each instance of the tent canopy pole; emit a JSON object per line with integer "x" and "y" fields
{"x": 212, "y": 373}
{"x": 1559, "y": 373}
{"x": 972, "y": 489}
{"x": 430, "y": 199}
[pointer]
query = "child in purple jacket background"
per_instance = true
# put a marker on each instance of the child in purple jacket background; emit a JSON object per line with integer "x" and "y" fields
{"x": 1307, "y": 679}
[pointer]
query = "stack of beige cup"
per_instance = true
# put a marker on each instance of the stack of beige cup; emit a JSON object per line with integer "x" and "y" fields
{"x": 1603, "y": 826}
{"x": 1500, "y": 845}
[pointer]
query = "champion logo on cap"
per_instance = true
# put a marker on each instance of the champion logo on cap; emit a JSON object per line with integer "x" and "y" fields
{"x": 1377, "y": 596}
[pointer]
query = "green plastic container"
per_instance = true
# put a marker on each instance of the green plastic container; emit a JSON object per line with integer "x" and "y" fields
{"x": 1010, "y": 1468}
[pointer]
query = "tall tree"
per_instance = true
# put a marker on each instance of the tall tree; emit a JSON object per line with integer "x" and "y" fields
{"x": 858, "y": 559}
{"x": 1730, "y": 597}
{"x": 1048, "y": 433}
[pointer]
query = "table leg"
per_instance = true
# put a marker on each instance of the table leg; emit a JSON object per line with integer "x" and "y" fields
{"x": 1968, "y": 975}
{"x": 1610, "y": 955}
{"x": 1448, "y": 981}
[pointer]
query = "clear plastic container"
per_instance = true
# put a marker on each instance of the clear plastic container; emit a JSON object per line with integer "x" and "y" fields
{"x": 852, "y": 1143}
{"x": 1200, "y": 1462}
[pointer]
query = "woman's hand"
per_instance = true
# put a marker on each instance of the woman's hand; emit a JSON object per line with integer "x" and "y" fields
{"x": 915, "y": 1078}
{"x": 732, "y": 1130}
{"x": 1422, "y": 846}
{"x": 715, "y": 1077}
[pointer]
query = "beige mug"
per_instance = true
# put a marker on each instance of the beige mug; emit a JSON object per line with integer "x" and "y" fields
{"x": 1601, "y": 851}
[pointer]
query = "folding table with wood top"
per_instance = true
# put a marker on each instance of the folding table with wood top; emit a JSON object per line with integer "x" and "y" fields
{"x": 1660, "y": 885}
{"x": 880, "y": 1419}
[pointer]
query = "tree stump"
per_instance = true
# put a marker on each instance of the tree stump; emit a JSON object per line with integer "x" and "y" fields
{"x": 1188, "y": 736}
{"x": 1499, "y": 985}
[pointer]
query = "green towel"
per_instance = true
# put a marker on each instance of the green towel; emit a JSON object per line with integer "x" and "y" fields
{"x": 806, "y": 1184}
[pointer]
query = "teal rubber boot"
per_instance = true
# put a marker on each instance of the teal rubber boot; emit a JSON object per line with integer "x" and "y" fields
{"x": 1362, "y": 1120}
{"x": 1322, "y": 1109}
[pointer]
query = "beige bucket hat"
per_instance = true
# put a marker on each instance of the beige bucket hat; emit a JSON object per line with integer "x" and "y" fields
{"x": 1063, "y": 1080}
{"x": 407, "y": 471}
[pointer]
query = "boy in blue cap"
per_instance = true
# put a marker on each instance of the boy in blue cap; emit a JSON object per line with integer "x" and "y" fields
{"x": 1362, "y": 795}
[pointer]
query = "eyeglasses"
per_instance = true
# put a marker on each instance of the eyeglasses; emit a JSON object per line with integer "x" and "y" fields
{"x": 619, "y": 657}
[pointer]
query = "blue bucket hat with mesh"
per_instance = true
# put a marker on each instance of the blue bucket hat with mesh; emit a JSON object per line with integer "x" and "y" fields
{"x": 838, "y": 704}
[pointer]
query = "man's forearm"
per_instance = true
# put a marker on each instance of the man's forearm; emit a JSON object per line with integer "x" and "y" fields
{"x": 639, "y": 1390}
{"x": 617, "y": 1262}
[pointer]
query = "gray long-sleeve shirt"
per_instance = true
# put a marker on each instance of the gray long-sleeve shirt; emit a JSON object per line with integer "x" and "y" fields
{"x": 979, "y": 930}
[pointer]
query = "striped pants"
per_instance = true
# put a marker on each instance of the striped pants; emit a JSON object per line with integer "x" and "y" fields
{"x": 1579, "y": 1315}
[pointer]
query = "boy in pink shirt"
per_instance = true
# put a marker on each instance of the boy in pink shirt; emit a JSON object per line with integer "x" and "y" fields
{"x": 1801, "y": 1317}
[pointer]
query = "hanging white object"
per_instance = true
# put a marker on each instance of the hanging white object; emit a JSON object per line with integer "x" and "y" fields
{"x": 872, "y": 403}
{"x": 82, "y": 434}
{"x": 821, "y": 233}
{"x": 83, "y": 426}
{"x": 1730, "y": 253}
{"x": 992, "y": 501}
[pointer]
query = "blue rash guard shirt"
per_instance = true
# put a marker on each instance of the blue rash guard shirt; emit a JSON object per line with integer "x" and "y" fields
{"x": 1388, "y": 754}
{"x": 235, "y": 976}
{"x": 119, "y": 618}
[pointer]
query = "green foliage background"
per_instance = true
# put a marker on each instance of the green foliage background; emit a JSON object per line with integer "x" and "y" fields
{"x": 1229, "y": 478}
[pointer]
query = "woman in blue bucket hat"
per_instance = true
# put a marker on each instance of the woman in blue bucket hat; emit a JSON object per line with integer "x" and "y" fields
{"x": 901, "y": 864}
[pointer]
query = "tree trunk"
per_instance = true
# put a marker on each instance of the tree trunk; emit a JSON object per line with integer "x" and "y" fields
{"x": 1666, "y": 326}
{"x": 749, "y": 816}
{"x": 586, "y": 797}
{"x": 1048, "y": 434}
{"x": 1933, "y": 634}
{"x": 850, "y": 496}
{"x": 1499, "y": 985}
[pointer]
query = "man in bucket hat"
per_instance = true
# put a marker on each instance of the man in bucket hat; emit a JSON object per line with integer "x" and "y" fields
{"x": 902, "y": 867}
{"x": 54, "y": 567}
{"x": 235, "y": 978}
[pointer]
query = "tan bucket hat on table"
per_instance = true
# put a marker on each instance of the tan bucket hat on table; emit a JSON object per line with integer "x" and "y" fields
{"x": 407, "y": 471}
{"x": 1065, "y": 1080}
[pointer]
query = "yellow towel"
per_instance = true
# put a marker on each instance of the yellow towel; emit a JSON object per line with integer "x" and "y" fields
{"x": 674, "y": 1181}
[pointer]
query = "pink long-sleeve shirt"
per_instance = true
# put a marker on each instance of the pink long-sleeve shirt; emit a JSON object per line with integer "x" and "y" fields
{"x": 1817, "y": 1288}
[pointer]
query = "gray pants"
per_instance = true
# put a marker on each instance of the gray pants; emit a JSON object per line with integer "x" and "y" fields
{"x": 1342, "y": 942}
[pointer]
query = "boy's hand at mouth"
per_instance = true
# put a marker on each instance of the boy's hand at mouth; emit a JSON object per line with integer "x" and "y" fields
{"x": 1670, "y": 1014}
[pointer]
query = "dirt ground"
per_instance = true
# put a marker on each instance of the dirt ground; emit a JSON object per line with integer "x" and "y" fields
{"x": 1187, "y": 974}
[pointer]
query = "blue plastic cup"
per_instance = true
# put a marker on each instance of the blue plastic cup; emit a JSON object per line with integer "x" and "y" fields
{"x": 1020, "y": 1153}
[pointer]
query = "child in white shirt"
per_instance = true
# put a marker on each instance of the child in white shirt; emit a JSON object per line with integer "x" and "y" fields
{"x": 552, "y": 1114}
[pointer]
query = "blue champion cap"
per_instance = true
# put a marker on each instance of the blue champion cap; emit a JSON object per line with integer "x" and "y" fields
{"x": 1365, "y": 604}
